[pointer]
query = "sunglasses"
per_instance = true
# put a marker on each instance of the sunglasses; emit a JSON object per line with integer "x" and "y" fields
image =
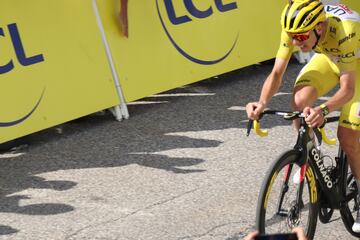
{"x": 300, "y": 36}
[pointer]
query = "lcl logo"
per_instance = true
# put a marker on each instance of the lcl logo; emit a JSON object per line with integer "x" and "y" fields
{"x": 19, "y": 50}
{"x": 24, "y": 61}
{"x": 194, "y": 13}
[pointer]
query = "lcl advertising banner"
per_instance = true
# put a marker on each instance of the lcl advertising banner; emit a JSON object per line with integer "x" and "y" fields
{"x": 53, "y": 67}
{"x": 171, "y": 43}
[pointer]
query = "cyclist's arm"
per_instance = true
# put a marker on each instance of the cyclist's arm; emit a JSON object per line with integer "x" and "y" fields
{"x": 270, "y": 87}
{"x": 345, "y": 92}
{"x": 273, "y": 81}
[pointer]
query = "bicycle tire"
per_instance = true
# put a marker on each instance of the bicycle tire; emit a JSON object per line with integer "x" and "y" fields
{"x": 348, "y": 211}
{"x": 309, "y": 199}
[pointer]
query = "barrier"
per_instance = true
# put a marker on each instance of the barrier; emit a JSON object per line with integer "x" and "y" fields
{"x": 53, "y": 67}
{"x": 174, "y": 43}
{"x": 63, "y": 60}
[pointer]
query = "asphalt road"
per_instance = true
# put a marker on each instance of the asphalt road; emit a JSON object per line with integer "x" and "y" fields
{"x": 180, "y": 168}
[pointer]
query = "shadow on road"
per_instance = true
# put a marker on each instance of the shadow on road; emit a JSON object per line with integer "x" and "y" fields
{"x": 99, "y": 141}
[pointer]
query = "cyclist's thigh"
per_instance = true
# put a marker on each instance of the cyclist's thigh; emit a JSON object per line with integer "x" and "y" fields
{"x": 350, "y": 113}
{"x": 319, "y": 73}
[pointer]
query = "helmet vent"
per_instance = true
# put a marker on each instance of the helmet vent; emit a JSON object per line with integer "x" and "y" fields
{"x": 302, "y": 15}
{"x": 316, "y": 15}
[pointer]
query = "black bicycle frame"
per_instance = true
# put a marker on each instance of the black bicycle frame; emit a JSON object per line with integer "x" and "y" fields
{"x": 333, "y": 189}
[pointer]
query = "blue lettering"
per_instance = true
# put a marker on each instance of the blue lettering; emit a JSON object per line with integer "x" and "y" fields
{"x": 195, "y": 11}
{"x": 224, "y": 8}
{"x": 336, "y": 10}
{"x": 19, "y": 49}
{"x": 172, "y": 15}
{"x": 10, "y": 65}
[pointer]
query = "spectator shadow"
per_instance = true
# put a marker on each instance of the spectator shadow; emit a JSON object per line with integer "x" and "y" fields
{"x": 98, "y": 141}
{"x": 18, "y": 173}
{"x": 6, "y": 230}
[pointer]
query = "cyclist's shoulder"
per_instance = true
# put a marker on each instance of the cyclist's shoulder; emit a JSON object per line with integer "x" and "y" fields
{"x": 344, "y": 27}
{"x": 340, "y": 14}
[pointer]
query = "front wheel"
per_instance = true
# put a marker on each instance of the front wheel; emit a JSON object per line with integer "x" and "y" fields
{"x": 285, "y": 201}
{"x": 349, "y": 209}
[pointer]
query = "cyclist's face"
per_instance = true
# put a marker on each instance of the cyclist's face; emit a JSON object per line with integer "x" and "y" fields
{"x": 305, "y": 41}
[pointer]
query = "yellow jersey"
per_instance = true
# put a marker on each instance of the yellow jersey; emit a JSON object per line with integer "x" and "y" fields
{"x": 341, "y": 43}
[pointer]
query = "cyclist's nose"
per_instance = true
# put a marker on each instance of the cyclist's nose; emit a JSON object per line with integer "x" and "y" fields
{"x": 297, "y": 42}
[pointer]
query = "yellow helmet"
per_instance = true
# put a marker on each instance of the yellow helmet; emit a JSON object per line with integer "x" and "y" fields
{"x": 302, "y": 15}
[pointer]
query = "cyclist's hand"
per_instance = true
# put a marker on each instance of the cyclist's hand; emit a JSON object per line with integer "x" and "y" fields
{"x": 299, "y": 233}
{"x": 313, "y": 117}
{"x": 254, "y": 109}
{"x": 251, "y": 236}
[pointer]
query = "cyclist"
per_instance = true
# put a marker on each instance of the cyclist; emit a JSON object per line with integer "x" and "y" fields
{"x": 333, "y": 32}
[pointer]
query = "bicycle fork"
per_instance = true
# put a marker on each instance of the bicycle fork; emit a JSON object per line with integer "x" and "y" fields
{"x": 285, "y": 189}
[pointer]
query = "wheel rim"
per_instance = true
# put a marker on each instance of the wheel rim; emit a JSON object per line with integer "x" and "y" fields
{"x": 291, "y": 215}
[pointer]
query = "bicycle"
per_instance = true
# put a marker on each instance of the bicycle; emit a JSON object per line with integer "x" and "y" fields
{"x": 312, "y": 184}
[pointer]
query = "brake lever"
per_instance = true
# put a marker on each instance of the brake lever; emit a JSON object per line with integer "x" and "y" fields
{"x": 249, "y": 126}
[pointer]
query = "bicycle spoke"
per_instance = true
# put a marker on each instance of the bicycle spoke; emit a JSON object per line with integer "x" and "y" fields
{"x": 284, "y": 211}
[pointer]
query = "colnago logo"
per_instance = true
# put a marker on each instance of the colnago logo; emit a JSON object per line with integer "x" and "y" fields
{"x": 320, "y": 163}
{"x": 199, "y": 29}
{"x": 23, "y": 60}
